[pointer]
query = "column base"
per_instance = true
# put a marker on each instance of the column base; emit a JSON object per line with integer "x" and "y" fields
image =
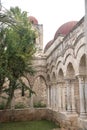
{"x": 73, "y": 111}
{"x": 69, "y": 111}
{"x": 83, "y": 115}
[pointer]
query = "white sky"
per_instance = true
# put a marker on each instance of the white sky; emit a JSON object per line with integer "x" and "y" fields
{"x": 51, "y": 13}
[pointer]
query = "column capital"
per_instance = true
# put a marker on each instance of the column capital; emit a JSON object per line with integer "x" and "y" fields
{"x": 81, "y": 78}
{"x": 53, "y": 83}
{"x": 67, "y": 79}
{"x": 60, "y": 82}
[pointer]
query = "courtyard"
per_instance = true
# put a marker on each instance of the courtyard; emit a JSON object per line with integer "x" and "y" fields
{"x": 28, "y": 125}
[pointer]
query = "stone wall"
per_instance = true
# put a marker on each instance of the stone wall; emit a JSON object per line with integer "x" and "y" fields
{"x": 22, "y": 115}
{"x": 67, "y": 122}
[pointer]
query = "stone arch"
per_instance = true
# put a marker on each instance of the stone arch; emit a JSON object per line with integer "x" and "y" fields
{"x": 60, "y": 68}
{"x": 53, "y": 76}
{"x": 61, "y": 90}
{"x": 70, "y": 60}
{"x": 81, "y": 52}
{"x": 80, "y": 47}
{"x": 82, "y": 65}
{"x": 40, "y": 88}
{"x": 70, "y": 72}
{"x": 60, "y": 74}
{"x": 79, "y": 43}
{"x": 79, "y": 38}
{"x": 59, "y": 60}
{"x": 69, "y": 52}
{"x": 52, "y": 66}
{"x": 42, "y": 74}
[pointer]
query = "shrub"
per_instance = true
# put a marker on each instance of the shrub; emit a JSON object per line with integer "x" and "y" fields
{"x": 19, "y": 106}
{"x": 39, "y": 105}
{"x": 2, "y": 105}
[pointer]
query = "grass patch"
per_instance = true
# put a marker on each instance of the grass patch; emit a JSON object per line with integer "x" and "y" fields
{"x": 28, "y": 125}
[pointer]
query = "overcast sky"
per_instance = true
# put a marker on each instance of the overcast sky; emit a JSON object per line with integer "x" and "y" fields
{"x": 51, "y": 13}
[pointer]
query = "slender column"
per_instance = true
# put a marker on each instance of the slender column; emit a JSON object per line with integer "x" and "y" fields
{"x": 86, "y": 93}
{"x": 51, "y": 97}
{"x": 82, "y": 97}
{"x": 73, "y": 97}
{"x": 59, "y": 95}
{"x": 55, "y": 97}
{"x": 68, "y": 96}
{"x": 48, "y": 97}
{"x": 55, "y": 94}
{"x": 63, "y": 98}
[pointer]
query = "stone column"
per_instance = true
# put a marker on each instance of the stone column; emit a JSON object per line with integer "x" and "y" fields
{"x": 73, "y": 97}
{"x": 56, "y": 98}
{"x": 68, "y": 96}
{"x": 82, "y": 96}
{"x": 59, "y": 97}
{"x": 51, "y": 97}
{"x": 63, "y": 98}
{"x": 48, "y": 97}
{"x": 86, "y": 93}
{"x": 55, "y": 93}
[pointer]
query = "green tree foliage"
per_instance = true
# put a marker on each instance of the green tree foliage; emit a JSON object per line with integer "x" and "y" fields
{"x": 16, "y": 50}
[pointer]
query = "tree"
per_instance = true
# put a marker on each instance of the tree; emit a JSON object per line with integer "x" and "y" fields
{"x": 16, "y": 50}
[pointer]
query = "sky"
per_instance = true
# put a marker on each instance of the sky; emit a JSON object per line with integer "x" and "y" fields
{"x": 51, "y": 13}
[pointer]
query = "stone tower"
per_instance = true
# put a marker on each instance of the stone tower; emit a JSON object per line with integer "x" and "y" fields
{"x": 39, "y": 31}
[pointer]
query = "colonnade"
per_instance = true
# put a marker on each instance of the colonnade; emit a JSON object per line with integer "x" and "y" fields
{"x": 61, "y": 96}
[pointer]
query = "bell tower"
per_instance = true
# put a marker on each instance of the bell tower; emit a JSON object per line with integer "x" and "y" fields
{"x": 39, "y": 32}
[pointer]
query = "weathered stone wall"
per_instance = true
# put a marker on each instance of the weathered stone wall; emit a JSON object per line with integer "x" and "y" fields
{"x": 22, "y": 115}
{"x": 67, "y": 122}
